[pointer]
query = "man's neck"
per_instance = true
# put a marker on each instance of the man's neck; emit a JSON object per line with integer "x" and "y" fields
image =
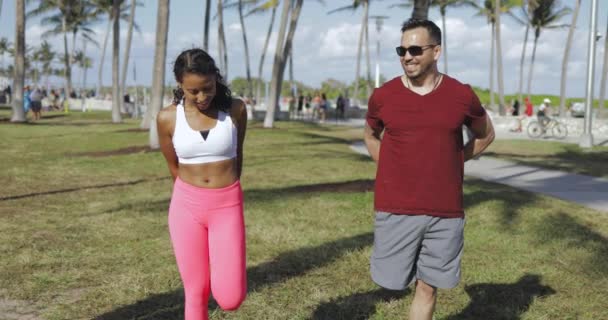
{"x": 423, "y": 85}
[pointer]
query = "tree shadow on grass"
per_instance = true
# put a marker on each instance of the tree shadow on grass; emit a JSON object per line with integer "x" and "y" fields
{"x": 74, "y": 189}
{"x": 563, "y": 227}
{"x": 110, "y": 153}
{"x": 502, "y": 301}
{"x": 513, "y": 200}
{"x": 285, "y": 266}
{"x": 358, "y": 306}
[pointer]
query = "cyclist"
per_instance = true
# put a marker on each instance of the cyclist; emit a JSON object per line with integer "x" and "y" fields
{"x": 543, "y": 114}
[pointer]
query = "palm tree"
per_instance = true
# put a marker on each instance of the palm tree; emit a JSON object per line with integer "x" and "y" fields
{"x": 104, "y": 7}
{"x": 282, "y": 51}
{"x": 206, "y": 31}
{"x": 489, "y": 11}
{"x": 501, "y": 88}
{"x": 19, "y": 74}
{"x": 364, "y": 22}
{"x": 125, "y": 64}
{"x": 545, "y": 16}
{"x": 116, "y": 118}
{"x": 421, "y": 9}
{"x": 247, "y": 68}
{"x": 84, "y": 63}
{"x": 5, "y": 46}
{"x": 562, "y": 87}
{"x": 47, "y": 55}
{"x": 223, "y": 54}
{"x": 160, "y": 55}
{"x": 602, "y": 109}
{"x": 267, "y": 5}
{"x": 527, "y": 7}
{"x": 66, "y": 16}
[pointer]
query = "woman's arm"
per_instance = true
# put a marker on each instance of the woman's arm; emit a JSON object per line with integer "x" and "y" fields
{"x": 165, "y": 122}
{"x": 239, "y": 112}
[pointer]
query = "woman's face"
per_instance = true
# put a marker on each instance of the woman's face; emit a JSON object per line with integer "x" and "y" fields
{"x": 199, "y": 90}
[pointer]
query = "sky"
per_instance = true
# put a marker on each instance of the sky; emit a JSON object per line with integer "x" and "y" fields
{"x": 325, "y": 45}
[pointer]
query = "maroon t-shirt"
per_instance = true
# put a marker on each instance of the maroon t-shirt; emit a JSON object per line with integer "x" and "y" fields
{"x": 421, "y": 165}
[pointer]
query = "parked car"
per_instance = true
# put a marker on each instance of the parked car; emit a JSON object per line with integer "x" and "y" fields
{"x": 578, "y": 110}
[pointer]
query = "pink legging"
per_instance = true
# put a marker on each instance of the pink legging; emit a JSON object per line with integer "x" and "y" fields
{"x": 208, "y": 235}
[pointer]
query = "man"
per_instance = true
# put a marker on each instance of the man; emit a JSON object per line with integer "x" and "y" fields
{"x": 414, "y": 133}
{"x": 543, "y": 113}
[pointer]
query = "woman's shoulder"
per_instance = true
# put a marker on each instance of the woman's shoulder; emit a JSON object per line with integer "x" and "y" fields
{"x": 237, "y": 109}
{"x": 167, "y": 114}
{"x": 237, "y": 105}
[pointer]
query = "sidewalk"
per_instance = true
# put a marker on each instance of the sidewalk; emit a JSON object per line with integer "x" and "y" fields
{"x": 588, "y": 191}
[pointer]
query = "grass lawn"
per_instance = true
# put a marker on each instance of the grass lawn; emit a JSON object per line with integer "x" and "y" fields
{"x": 553, "y": 155}
{"x": 83, "y": 233}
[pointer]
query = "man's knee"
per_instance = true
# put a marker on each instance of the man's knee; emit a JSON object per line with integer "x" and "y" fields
{"x": 425, "y": 290}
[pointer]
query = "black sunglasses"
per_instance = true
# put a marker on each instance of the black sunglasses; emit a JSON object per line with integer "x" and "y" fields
{"x": 414, "y": 50}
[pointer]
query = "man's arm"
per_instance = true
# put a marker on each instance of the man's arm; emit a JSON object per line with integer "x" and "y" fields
{"x": 483, "y": 135}
{"x": 372, "y": 142}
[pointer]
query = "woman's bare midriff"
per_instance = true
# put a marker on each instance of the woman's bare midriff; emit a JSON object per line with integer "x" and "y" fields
{"x": 212, "y": 175}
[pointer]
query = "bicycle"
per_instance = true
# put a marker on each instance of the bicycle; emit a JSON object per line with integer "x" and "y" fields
{"x": 553, "y": 127}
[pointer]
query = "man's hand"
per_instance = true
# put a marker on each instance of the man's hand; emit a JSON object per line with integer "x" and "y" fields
{"x": 372, "y": 142}
{"x": 483, "y": 135}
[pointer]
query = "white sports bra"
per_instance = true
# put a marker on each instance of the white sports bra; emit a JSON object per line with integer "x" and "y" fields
{"x": 195, "y": 147}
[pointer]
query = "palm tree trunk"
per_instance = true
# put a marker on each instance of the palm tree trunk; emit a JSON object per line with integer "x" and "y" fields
{"x": 522, "y": 63}
{"x": 562, "y": 87}
{"x": 421, "y": 10}
{"x": 247, "y": 68}
{"x": 84, "y": 63}
{"x": 444, "y": 48}
{"x": 66, "y": 60}
{"x": 501, "y": 88}
{"x": 222, "y": 38}
{"x": 206, "y": 31}
{"x": 116, "y": 98}
{"x": 283, "y": 49}
{"x": 358, "y": 67}
{"x": 368, "y": 65}
{"x": 492, "y": 67}
{"x": 261, "y": 66}
{"x": 125, "y": 64}
{"x": 532, "y": 65}
{"x": 160, "y": 54}
{"x": 291, "y": 72}
{"x": 19, "y": 75}
{"x": 601, "y": 109}
{"x": 103, "y": 55}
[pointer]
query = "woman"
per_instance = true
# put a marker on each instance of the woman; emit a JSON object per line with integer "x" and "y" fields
{"x": 201, "y": 136}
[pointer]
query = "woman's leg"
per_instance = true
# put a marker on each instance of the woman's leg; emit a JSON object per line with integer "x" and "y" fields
{"x": 191, "y": 249}
{"x": 227, "y": 256}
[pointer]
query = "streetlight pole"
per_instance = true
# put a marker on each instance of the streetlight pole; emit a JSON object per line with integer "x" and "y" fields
{"x": 586, "y": 140}
{"x": 379, "y": 22}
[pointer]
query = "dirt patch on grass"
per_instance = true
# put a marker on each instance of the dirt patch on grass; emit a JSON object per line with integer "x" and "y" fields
{"x": 109, "y": 153}
{"x": 17, "y": 310}
{"x": 134, "y": 130}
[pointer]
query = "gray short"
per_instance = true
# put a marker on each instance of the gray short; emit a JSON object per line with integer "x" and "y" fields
{"x": 410, "y": 247}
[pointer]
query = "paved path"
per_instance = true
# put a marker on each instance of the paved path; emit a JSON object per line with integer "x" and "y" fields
{"x": 585, "y": 190}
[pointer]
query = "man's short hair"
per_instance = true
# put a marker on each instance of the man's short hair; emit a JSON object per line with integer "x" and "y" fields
{"x": 430, "y": 26}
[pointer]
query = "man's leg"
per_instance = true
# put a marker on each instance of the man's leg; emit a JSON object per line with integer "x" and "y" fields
{"x": 423, "y": 304}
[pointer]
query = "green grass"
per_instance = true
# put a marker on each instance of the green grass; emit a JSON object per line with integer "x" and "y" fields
{"x": 86, "y": 237}
{"x": 553, "y": 155}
